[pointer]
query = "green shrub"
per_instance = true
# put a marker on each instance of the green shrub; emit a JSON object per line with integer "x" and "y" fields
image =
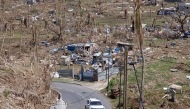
{"x": 113, "y": 82}
{"x": 6, "y": 93}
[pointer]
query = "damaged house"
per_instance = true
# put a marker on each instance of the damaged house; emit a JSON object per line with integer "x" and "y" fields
{"x": 83, "y": 46}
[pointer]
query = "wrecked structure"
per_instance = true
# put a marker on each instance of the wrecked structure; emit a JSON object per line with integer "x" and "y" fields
{"x": 96, "y": 62}
{"x": 89, "y": 47}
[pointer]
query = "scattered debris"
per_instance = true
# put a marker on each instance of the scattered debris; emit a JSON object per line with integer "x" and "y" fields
{"x": 175, "y": 87}
{"x": 173, "y": 70}
{"x": 165, "y": 88}
{"x": 115, "y": 92}
{"x": 173, "y": 44}
{"x": 70, "y": 9}
{"x": 188, "y": 77}
{"x": 55, "y": 74}
{"x": 45, "y": 43}
{"x": 167, "y": 95}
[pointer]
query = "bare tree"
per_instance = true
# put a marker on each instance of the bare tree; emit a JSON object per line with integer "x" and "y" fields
{"x": 45, "y": 23}
{"x": 57, "y": 28}
{"x": 34, "y": 33}
{"x": 125, "y": 14}
{"x": 59, "y": 25}
{"x": 79, "y": 4}
{"x": 154, "y": 23}
{"x": 162, "y": 6}
{"x": 88, "y": 18}
{"x": 180, "y": 17}
{"x": 5, "y": 26}
{"x": 2, "y": 43}
{"x": 3, "y": 2}
{"x": 26, "y": 22}
{"x": 133, "y": 24}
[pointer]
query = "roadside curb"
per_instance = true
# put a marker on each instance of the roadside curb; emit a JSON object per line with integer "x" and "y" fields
{"x": 59, "y": 100}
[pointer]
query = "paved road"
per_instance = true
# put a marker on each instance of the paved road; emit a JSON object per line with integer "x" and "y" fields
{"x": 76, "y": 95}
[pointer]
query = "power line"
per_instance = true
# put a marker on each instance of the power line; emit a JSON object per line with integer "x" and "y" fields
{"x": 140, "y": 91}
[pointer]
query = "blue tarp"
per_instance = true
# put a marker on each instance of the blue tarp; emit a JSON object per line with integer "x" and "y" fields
{"x": 117, "y": 50}
{"x": 71, "y": 48}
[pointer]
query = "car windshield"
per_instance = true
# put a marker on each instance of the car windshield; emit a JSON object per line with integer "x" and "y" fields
{"x": 95, "y": 103}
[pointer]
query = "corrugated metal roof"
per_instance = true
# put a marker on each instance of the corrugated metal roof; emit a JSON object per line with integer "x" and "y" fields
{"x": 97, "y": 54}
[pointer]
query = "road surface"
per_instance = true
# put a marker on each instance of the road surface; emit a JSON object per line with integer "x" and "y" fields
{"x": 76, "y": 95}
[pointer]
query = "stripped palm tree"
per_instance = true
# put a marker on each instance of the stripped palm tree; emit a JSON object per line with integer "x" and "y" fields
{"x": 141, "y": 39}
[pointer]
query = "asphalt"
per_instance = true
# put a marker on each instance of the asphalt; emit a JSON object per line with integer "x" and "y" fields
{"x": 75, "y": 95}
{"x": 62, "y": 104}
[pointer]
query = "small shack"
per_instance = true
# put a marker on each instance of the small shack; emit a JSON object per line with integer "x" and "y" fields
{"x": 83, "y": 46}
{"x": 166, "y": 11}
{"x": 65, "y": 60}
{"x": 181, "y": 6}
{"x": 97, "y": 57}
{"x": 121, "y": 45}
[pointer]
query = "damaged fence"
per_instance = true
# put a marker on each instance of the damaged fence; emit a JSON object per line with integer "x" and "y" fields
{"x": 98, "y": 75}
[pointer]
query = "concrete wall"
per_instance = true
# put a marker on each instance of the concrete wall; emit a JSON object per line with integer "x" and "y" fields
{"x": 66, "y": 73}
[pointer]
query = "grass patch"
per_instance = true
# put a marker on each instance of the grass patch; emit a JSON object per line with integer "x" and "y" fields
{"x": 113, "y": 83}
{"x": 185, "y": 87}
{"x": 6, "y": 71}
{"x": 132, "y": 78}
{"x": 159, "y": 86}
{"x": 6, "y": 93}
{"x": 68, "y": 80}
{"x": 160, "y": 66}
{"x": 110, "y": 21}
{"x": 152, "y": 98}
{"x": 188, "y": 63}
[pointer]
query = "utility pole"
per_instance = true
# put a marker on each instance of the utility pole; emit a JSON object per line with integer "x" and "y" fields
{"x": 122, "y": 5}
{"x": 108, "y": 77}
{"x": 120, "y": 91}
{"x": 107, "y": 74}
{"x": 82, "y": 74}
{"x": 108, "y": 71}
{"x": 125, "y": 79}
{"x": 28, "y": 15}
{"x": 150, "y": 15}
{"x": 120, "y": 88}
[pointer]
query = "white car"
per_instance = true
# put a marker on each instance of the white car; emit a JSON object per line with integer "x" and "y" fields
{"x": 94, "y": 103}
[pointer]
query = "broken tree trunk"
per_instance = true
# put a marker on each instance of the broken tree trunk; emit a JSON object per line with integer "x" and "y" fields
{"x": 141, "y": 39}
